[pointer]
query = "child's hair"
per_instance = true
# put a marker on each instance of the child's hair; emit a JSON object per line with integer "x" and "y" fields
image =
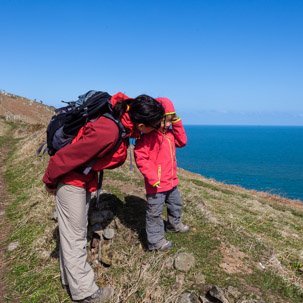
{"x": 143, "y": 109}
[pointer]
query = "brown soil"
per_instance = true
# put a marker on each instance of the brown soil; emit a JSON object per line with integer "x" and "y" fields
{"x": 235, "y": 261}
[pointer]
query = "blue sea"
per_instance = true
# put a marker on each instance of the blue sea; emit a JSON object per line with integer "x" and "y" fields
{"x": 264, "y": 158}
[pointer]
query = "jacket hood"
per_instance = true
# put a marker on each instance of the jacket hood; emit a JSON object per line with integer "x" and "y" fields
{"x": 167, "y": 105}
{"x": 125, "y": 119}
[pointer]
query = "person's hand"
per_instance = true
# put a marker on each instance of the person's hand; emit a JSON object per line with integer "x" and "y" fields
{"x": 158, "y": 186}
{"x": 175, "y": 118}
{"x": 51, "y": 191}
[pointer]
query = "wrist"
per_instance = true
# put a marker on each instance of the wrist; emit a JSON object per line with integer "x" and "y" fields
{"x": 175, "y": 120}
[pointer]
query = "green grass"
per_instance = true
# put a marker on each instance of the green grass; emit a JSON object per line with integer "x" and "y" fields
{"x": 208, "y": 258}
{"x": 29, "y": 279}
{"x": 7, "y": 140}
{"x": 228, "y": 218}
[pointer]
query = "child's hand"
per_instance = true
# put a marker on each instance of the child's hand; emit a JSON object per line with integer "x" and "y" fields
{"x": 175, "y": 118}
{"x": 158, "y": 186}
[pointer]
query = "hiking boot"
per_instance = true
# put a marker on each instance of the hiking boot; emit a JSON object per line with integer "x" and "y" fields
{"x": 101, "y": 295}
{"x": 164, "y": 245}
{"x": 180, "y": 228}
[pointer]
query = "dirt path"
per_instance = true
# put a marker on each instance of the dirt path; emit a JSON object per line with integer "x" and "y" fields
{"x": 3, "y": 227}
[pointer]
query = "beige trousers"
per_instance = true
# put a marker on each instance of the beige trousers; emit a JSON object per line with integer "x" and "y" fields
{"x": 72, "y": 208}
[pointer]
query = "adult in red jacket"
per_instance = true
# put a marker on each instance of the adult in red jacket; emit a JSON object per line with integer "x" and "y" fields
{"x": 73, "y": 189}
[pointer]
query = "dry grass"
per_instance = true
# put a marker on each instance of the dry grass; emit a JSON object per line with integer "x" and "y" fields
{"x": 19, "y": 109}
{"x": 245, "y": 239}
{"x": 3, "y": 128}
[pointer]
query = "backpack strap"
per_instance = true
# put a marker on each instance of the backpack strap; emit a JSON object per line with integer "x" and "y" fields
{"x": 39, "y": 150}
{"x": 100, "y": 179}
{"x": 89, "y": 166}
{"x": 122, "y": 134}
{"x": 122, "y": 130}
{"x": 130, "y": 159}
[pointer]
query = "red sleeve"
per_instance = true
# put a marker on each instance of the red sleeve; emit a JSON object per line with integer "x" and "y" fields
{"x": 98, "y": 138}
{"x": 179, "y": 133}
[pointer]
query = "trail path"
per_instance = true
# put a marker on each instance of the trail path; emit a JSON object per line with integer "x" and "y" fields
{"x": 3, "y": 227}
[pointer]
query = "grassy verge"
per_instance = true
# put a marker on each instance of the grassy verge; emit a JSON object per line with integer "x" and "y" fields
{"x": 33, "y": 265}
{"x": 239, "y": 238}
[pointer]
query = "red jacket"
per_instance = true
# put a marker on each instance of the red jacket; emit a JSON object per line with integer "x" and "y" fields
{"x": 155, "y": 154}
{"x": 96, "y": 139}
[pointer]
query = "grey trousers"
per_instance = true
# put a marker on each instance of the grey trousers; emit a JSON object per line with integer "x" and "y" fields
{"x": 72, "y": 208}
{"x": 154, "y": 222}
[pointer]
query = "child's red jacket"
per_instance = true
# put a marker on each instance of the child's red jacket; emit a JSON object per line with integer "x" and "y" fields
{"x": 155, "y": 154}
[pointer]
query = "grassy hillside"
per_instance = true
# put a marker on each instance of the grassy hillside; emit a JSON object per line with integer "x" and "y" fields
{"x": 247, "y": 243}
{"x": 17, "y": 108}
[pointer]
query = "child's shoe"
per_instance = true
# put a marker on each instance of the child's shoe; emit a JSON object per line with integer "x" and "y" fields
{"x": 180, "y": 228}
{"x": 164, "y": 245}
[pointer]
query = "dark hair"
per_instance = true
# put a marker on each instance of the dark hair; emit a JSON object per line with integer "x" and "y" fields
{"x": 120, "y": 108}
{"x": 143, "y": 109}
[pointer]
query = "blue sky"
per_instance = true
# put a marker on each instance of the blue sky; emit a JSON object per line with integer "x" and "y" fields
{"x": 221, "y": 62}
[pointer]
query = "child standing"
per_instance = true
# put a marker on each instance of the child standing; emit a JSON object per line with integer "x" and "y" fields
{"x": 155, "y": 155}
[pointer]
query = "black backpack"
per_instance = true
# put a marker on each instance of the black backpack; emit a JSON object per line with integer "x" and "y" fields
{"x": 64, "y": 126}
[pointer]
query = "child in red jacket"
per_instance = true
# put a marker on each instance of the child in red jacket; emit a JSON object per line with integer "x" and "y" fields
{"x": 155, "y": 155}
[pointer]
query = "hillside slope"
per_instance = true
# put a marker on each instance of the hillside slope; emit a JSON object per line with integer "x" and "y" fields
{"x": 247, "y": 243}
{"x": 16, "y": 108}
